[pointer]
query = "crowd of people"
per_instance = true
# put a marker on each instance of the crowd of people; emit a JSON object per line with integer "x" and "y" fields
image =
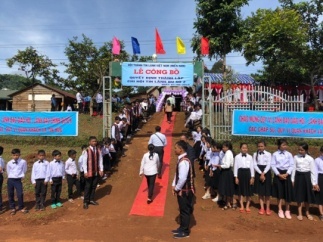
{"x": 230, "y": 178}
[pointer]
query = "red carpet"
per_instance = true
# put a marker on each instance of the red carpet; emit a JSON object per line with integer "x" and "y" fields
{"x": 157, "y": 207}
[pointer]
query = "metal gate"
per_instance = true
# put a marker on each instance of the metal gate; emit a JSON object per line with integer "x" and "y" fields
{"x": 221, "y": 106}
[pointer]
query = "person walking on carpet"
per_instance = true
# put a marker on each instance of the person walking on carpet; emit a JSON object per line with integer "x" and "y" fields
{"x": 159, "y": 141}
{"x": 149, "y": 168}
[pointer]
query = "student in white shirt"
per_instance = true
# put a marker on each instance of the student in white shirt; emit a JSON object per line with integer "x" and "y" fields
{"x": 206, "y": 159}
{"x": 304, "y": 180}
{"x": 226, "y": 180}
{"x": 244, "y": 175}
{"x": 16, "y": 170}
{"x": 263, "y": 179}
{"x": 72, "y": 175}
{"x": 282, "y": 164}
{"x": 80, "y": 166}
{"x": 40, "y": 178}
{"x": 195, "y": 115}
{"x": 214, "y": 170}
{"x": 56, "y": 175}
{"x": 149, "y": 168}
{"x": 99, "y": 103}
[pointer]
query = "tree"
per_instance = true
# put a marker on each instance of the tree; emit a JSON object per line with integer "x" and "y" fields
{"x": 312, "y": 57}
{"x": 14, "y": 82}
{"x": 33, "y": 65}
{"x": 217, "y": 67}
{"x": 219, "y": 21}
{"x": 88, "y": 64}
{"x": 276, "y": 37}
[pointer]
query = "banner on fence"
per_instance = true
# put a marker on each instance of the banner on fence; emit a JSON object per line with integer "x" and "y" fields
{"x": 277, "y": 124}
{"x": 39, "y": 123}
{"x": 157, "y": 74}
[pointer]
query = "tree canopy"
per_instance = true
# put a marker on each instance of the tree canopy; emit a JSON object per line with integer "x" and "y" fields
{"x": 220, "y": 22}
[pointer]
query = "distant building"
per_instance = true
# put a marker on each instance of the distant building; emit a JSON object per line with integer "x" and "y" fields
{"x": 22, "y": 99}
{"x": 5, "y": 99}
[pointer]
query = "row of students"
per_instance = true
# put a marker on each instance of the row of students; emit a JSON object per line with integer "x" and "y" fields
{"x": 296, "y": 178}
{"x": 84, "y": 175}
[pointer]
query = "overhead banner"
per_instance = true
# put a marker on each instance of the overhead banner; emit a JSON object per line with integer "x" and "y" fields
{"x": 277, "y": 124}
{"x": 157, "y": 74}
{"x": 39, "y": 123}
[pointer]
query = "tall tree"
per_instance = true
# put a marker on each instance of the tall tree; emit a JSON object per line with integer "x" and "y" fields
{"x": 33, "y": 65}
{"x": 220, "y": 22}
{"x": 276, "y": 37}
{"x": 311, "y": 58}
{"x": 88, "y": 64}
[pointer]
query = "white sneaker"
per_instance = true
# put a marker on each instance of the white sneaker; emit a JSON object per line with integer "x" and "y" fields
{"x": 105, "y": 177}
{"x": 98, "y": 185}
{"x": 215, "y": 199}
{"x": 206, "y": 196}
{"x": 71, "y": 200}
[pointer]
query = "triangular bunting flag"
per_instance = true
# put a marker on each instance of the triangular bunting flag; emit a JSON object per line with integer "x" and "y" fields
{"x": 180, "y": 46}
{"x": 159, "y": 44}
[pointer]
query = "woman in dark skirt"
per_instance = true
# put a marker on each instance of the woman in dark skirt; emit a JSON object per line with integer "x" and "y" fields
{"x": 214, "y": 172}
{"x": 282, "y": 164}
{"x": 226, "y": 180}
{"x": 263, "y": 180}
{"x": 244, "y": 174}
{"x": 303, "y": 177}
{"x": 318, "y": 184}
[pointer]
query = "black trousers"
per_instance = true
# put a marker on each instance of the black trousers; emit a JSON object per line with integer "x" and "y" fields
{"x": 40, "y": 192}
{"x": 106, "y": 163}
{"x": 71, "y": 181}
{"x": 82, "y": 181}
{"x": 12, "y": 184}
{"x": 80, "y": 107}
{"x": 56, "y": 190}
{"x": 151, "y": 184}
{"x": 160, "y": 151}
{"x": 185, "y": 203}
{"x": 169, "y": 116}
{"x": 1, "y": 182}
{"x": 90, "y": 187}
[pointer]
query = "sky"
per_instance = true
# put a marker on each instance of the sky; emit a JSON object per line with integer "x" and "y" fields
{"x": 48, "y": 25}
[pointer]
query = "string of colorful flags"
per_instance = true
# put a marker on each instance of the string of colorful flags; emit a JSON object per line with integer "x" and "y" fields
{"x": 181, "y": 49}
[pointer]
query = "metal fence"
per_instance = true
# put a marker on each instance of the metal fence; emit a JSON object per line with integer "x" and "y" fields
{"x": 219, "y": 108}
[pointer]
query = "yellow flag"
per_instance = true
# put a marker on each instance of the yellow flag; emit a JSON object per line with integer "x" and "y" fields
{"x": 180, "y": 46}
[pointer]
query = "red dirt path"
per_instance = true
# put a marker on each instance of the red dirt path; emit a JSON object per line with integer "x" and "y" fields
{"x": 110, "y": 221}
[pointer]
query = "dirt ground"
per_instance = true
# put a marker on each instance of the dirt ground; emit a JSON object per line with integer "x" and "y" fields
{"x": 110, "y": 221}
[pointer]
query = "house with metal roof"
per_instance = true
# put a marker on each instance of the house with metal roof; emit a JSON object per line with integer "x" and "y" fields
{"x": 22, "y": 99}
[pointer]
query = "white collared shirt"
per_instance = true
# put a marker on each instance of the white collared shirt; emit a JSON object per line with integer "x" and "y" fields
{"x": 245, "y": 162}
{"x": 282, "y": 160}
{"x": 71, "y": 167}
{"x": 149, "y": 166}
{"x": 304, "y": 164}
{"x": 56, "y": 169}
{"x": 262, "y": 160}
{"x": 227, "y": 160}
{"x": 16, "y": 169}
{"x": 214, "y": 160}
{"x": 158, "y": 139}
{"x": 183, "y": 169}
{"x": 40, "y": 171}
